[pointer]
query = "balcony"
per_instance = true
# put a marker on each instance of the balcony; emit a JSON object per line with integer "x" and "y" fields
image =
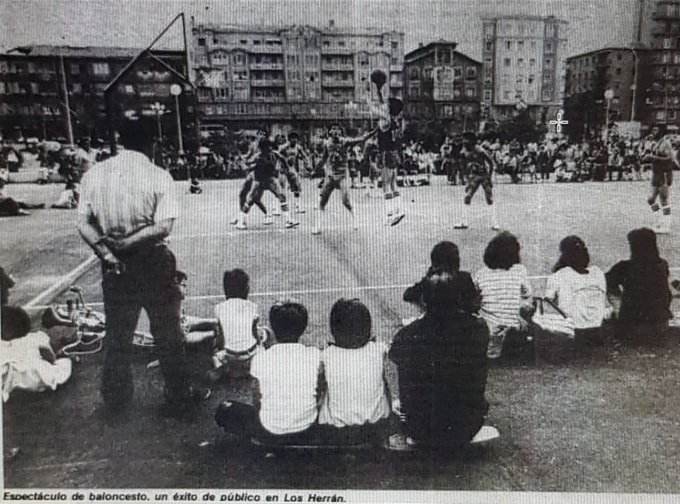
{"x": 336, "y": 50}
{"x": 265, "y": 49}
{"x": 266, "y": 66}
{"x": 340, "y": 67}
{"x": 338, "y": 83}
{"x": 268, "y": 83}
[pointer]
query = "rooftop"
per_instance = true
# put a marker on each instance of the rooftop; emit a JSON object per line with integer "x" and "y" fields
{"x": 83, "y": 52}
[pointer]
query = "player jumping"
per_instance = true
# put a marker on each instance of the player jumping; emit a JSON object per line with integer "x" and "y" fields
{"x": 662, "y": 157}
{"x": 265, "y": 178}
{"x": 336, "y": 171}
{"x": 479, "y": 167}
{"x": 389, "y": 133}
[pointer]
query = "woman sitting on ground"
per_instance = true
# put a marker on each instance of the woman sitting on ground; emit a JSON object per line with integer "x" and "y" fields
{"x": 642, "y": 284}
{"x": 579, "y": 290}
{"x": 442, "y": 366}
{"x": 506, "y": 293}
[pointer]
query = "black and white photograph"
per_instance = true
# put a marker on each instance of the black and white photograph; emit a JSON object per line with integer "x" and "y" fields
{"x": 340, "y": 250}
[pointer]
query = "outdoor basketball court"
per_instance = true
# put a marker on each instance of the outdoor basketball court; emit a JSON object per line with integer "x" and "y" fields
{"x": 599, "y": 424}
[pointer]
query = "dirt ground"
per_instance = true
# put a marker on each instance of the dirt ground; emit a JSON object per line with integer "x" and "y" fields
{"x": 605, "y": 422}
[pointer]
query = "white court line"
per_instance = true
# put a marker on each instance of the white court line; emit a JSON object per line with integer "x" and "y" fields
{"x": 329, "y": 290}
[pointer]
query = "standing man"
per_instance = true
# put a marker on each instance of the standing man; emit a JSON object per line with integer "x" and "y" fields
{"x": 479, "y": 167}
{"x": 127, "y": 210}
{"x": 662, "y": 158}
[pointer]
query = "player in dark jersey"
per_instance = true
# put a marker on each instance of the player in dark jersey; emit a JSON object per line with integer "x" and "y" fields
{"x": 479, "y": 168}
{"x": 265, "y": 178}
{"x": 389, "y": 136}
{"x": 335, "y": 158}
{"x": 662, "y": 158}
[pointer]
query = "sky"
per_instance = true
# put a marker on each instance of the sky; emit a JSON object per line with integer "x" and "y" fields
{"x": 134, "y": 23}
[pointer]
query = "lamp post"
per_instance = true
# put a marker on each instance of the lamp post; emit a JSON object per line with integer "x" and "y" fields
{"x": 608, "y": 95}
{"x": 633, "y": 86}
{"x": 159, "y": 108}
{"x": 67, "y": 107}
{"x": 176, "y": 90}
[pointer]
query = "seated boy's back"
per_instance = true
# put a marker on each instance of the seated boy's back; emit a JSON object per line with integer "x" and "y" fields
{"x": 354, "y": 370}
{"x": 237, "y": 319}
{"x": 288, "y": 376}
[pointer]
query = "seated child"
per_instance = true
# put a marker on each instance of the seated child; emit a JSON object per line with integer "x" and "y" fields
{"x": 442, "y": 366}
{"x": 239, "y": 336}
{"x": 27, "y": 359}
{"x": 354, "y": 369}
{"x": 288, "y": 375}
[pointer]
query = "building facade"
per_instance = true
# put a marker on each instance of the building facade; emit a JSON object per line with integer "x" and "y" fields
{"x": 297, "y": 74}
{"x": 524, "y": 64}
{"x": 589, "y": 76}
{"x": 658, "y": 86}
{"x": 33, "y": 80}
{"x": 444, "y": 85}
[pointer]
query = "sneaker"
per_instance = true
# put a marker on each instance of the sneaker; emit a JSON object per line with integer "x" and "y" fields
{"x": 316, "y": 231}
{"x": 397, "y": 218}
{"x": 276, "y": 213}
{"x": 300, "y": 210}
{"x": 234, "y": 221}
{"x": 241, "y": 225}
{"x": 267, "y": 220}
{"x": 460, "y": 225}
{"x": 292, "y": 224}
{"x": 23, "y": 212}
{"x": 659, "y": 229}
{"x": 400, "y": 442}
{"x": 486, "y": 433}
{"x": 496, "y": 227}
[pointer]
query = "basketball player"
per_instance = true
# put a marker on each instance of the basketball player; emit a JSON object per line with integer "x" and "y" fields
{"x": 662, "y": 157}
{"x": 335, "y": 159}
{"x": 479, "y": 168}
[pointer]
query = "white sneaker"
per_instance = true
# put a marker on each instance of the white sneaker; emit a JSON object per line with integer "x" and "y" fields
{"x": 486, "y": 433}
{"x": 460, "y": 225}
{"x": 276, "y": 213}
{"x": 267, "y": 220}
{"x": 316, "y": 231}
{"x": 241, "y": 225}
{"x": 495, "y": 227}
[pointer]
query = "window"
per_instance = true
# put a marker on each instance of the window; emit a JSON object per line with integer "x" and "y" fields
{"x": 488, "y": 62}
{"x": 506, "y": 62}
{"x": 533, "y": 44}
{"x": 548, "y": 61}
{"x": 243, "y": 42}
{"x": 520, "y": 62}
{"x": 506, "y": 95}
{"x": 456, "y": 93}
{"x": 257, "y": 42}
{"x": 394, "y": 61}
{"x": 667, "y": 44}
{"x": 488, "y": 45}
{"x": 487, "y": 95}
{"x": 508, "y": 45}
{"x": 427, "y": 73}
{"x": 201, "y": 41}
{"x": 75, "y": 68}
{"x": 395, "y": 45}
{"x": 548, "y": 46}
{"x": 76, "y": 88}
{"x": 129, "y": 89}
{"x": 239, "y": 59}
{"x": 414, "y": 73}
{"x": 457, "y": 72}
{"x": 341, "y": 43}
{"x": 100, "y": 68}
{"x": 520, "y": 45}
{"x": 532, "y": 62}
{"x": 470, "y": 92}
{"x": 547, "y": 95}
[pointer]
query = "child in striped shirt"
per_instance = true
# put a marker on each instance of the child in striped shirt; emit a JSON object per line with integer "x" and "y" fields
{"x": 504, "y": 286}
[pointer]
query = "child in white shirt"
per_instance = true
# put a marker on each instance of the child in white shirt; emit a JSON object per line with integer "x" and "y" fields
{"x": 239, "y": 335}
{"x": 354, "y": 369}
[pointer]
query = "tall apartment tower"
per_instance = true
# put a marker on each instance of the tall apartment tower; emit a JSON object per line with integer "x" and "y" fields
{"x": 658, "y": 31}
{"x": 524, "y": 64}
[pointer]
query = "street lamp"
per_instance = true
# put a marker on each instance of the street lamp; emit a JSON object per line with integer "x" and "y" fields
{"x": 176, "y": 90}
{"x": 608, "y": 95}
{"x": 633, "y": 86}
{"x": 160, "y": 109}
